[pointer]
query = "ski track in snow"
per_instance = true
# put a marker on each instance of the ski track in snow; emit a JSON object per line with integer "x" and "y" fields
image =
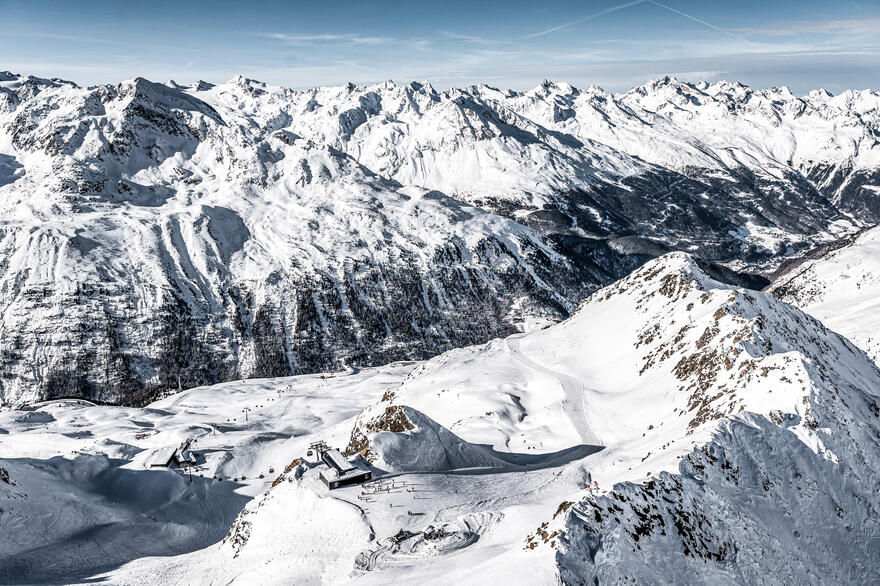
{"x": 574, "y": 394}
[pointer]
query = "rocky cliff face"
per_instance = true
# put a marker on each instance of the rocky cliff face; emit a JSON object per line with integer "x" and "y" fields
{"x": 150, "y": 245}
{"x": 156, "y": 237}
{"x": 779, "y": 482}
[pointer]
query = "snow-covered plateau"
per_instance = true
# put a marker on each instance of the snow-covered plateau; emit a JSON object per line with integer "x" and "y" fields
{"x": 155, "y": 237}
{"x": 673, "y": 429}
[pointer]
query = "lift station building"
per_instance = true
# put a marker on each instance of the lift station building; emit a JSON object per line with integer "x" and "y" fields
{"x": 339, "y": 470}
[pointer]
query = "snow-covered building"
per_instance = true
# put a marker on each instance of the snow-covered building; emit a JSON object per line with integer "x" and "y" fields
{"x": 181, "y": 455}
{"x": 186, "y": 458}
{"x": 339, "y": 471}
{"x": 163, "y": 457}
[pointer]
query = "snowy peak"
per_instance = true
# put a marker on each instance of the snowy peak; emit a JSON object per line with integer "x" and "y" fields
{"x": 760, "y": 377}
{"x": 667, "y": 348}
{"x": 15, "y": 89}
{"x": 726, "y": 349}
{"x": 99, "y": 139}
{"x": 16, "y": 82}
{"x": 162, "y": 96}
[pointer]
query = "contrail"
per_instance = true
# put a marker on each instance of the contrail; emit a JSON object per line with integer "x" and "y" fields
{"x": 634, "y": 3}
{"x": 695, "y": 19}
{"x": 586, "y": 18}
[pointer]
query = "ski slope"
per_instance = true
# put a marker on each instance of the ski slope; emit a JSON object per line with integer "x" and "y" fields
{"x": 85, "y": 497}
{"x": 673, "y": 428}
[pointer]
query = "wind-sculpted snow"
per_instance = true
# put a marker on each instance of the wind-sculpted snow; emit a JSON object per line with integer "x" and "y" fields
{"x": 756, "y": 505}
{"x": 782, "y": 489}
{"x": 156, "y": 237}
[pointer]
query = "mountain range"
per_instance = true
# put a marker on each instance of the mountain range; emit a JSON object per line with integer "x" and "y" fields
{"x": 156, "y": 237}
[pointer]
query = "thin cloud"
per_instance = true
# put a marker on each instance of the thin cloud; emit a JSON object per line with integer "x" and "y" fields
{"x": 89, "y": 40}
{"x": 347, "y": 39}
{"x": 469, "y": 38}
{"x": 854, "y": 26}
{"x": 826, "y": 53}
{"x": 353, "y": 64}
{"x": 303, "y": 39}
{"x": 417, "y": 44}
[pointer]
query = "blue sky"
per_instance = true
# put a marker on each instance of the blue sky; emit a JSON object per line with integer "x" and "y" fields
{"x": 616, "y": 44}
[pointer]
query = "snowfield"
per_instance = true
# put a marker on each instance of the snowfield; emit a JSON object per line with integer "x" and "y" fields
{"x": 85, "y": 496}
{"x": 842, "y": 289}
{"x": 673, "y": 429}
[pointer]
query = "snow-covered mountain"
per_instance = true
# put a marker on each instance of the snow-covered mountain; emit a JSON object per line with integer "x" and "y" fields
{"x": 155, "y": 237}
{"x": 673, "y": 429}
{"x": 740, "y": 435}
{"x": 147, "y": 243}
{"x": 718, "y": 169}
{"x": 842, "y": 288}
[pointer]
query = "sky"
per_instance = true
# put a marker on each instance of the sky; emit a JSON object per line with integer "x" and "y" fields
{"x": 803, "y": 44}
